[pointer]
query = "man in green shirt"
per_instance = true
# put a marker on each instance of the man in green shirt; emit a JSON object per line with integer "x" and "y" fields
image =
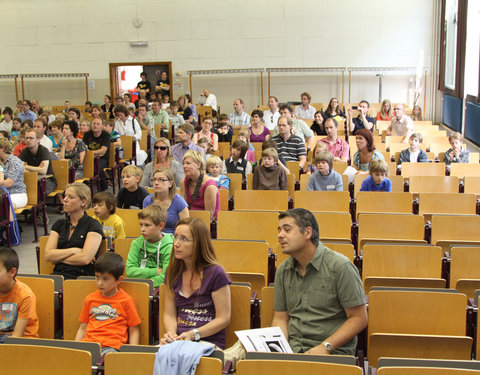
{"x": 319, "y": 301}
{"x": 158, "y": 116}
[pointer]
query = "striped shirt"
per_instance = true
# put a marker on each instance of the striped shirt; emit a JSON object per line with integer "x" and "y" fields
{"x": 291, "y": 149}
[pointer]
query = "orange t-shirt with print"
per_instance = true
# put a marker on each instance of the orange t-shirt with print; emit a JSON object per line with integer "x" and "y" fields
{"x": 21, "y": 303}
{"x": 108, "y": 318}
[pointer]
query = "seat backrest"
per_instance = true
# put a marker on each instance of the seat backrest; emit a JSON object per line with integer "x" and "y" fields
{"x": 454, "y": 227}
{"x": 44, "y": 290}
{"x": 263, "y": 367}
{"x": 143, "y": 143}
{"x": 390, "y": 226}
{"x": 248, "y": 225}
{"x": 122, "y": 247}
{"x": 423, "y": 261}
{"x": 75, "y": 291}
{"x": 223, "y": 199}
{"x": 434, "y": 184}
{"x": 44, "y": 267}
{"x": 126, "y": 363}
{"x": 294, "y": 168}
{"x": 31, "y": 182}
{"x": 261, "y": 200}
{"x": 464, "y": 264}
{"x": 464, "y": 169}
{"x": 127, "y": 146}
{"x": 414, "y": 312}
{"x": 334, "y": 225}
{"x": 371, "y": 201}
{"x": 329, "y": 201}
{"x": 202, "y": 215}
{"x": 472, "y": 184}
{"x": 235, "y": 182}
{"x": 60, "y": 171}
{"x": 43, "y": 360}
{"x": 130, "y": 217}
{"x": 423, "y": 169}
{"x": 224, "y": 149}
{"x": 266, "y": 306}
{"x": 89, "y": 165}
{"x": 447, "y": 203}
{"x": 242, "y": 256}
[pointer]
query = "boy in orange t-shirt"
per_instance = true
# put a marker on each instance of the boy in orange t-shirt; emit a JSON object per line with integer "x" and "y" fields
{"x": 109, "y": 312}
{"x": 18, "y": 315}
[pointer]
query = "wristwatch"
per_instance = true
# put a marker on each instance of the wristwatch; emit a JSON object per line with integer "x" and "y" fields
{"x": 196, "y": 335}
{"x": 327, "y": 346}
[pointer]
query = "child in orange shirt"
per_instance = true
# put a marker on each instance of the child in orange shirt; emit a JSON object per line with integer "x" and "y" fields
{"x": 18, "y": 315}
{"x": 109, "y": 312}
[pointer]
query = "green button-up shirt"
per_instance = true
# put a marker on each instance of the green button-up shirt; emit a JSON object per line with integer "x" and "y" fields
{"x": 160, "y": 118}
{"x": 316, "y": 302}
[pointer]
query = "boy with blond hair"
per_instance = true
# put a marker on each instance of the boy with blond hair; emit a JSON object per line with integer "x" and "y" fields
{"x": 18, "y": 315}
{"x": 377, "y": 180}
{"x": 214, "y": 170}
{"x": 104, "y": 206}
{"x": 150, "y": 253}
{"x": 109, "y": 315}
{"x": 131, "y": 195}
{"x": 269, "y": 175}
{"x": 413, "y": 154}
{"x": 456, "y": 154}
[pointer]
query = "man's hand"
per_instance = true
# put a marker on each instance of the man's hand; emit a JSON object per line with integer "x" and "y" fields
{"x": 317, "y": 350}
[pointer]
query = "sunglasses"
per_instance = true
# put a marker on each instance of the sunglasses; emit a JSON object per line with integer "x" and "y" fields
{"x": 163, "y": 148}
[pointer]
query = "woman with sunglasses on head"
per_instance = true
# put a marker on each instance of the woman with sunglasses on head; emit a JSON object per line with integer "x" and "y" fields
{"x": 162, "y": 158}
{"x": 197, "y": 298}
{"x": 164, "y": 195}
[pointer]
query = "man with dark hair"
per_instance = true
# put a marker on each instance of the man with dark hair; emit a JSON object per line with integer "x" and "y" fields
{"x": 144, "y": 84}
{"x": 98, "y": 141}
{"x": 37, "y": 158}
{"x": 290, "y": 147}
{"x": 299, "y": 127}
{"x": 305, "y": 110}
{"x": 27, "y": 113}
{"x": 41, "y": 125}
{"x": 319, "y": 301}
{"x": 270, "y": 117}
{"x": 184, "y": 142}
{"x": 362, "y": 121}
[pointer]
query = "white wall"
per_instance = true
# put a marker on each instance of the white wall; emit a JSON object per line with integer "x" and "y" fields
{"x": 51, "y": 36}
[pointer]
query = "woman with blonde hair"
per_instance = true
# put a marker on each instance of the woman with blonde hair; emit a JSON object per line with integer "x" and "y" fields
{"x": 74, "y": 242}
{"x": 197, "y": 300}
{"x": 162, "y": 157}
{"x": 199, "y": 190}
{"x": 385, "y": 113}
{"x": 165, "y": 195}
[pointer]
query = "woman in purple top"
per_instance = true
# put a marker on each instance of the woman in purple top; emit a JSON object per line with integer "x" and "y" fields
{"x": 199, "y": 190}
{"x": 197, "y": 299}
{"x": 258, "y": 131}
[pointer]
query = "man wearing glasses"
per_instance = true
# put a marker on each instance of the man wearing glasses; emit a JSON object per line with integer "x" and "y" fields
{"x": 402, "y": 125}
{"x": 270, "y": 117}
{"x": 37, "y": 159}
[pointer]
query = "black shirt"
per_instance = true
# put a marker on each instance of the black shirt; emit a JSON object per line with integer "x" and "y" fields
{"x": 186, "y": 113}
{"x": 144, "y": 85}
{"x": 95, "y": 143}
{"x": 35, "y": 160}
{"x": 85, "y": 225}
{"x": 318, "y": 129}
{"x": 131, "y": 199}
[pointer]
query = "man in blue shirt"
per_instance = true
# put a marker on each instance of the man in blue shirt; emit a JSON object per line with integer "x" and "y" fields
{"x": 27, "y": 113}
{"x": 362, "y": 121}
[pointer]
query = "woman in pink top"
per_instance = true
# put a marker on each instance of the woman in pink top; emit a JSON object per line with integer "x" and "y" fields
{"x": 199, "y": 190}
{"x": 385, "y": 113}
{"x": 206, "y": 132}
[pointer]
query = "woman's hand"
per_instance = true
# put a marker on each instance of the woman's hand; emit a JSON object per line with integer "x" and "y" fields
{"x": 189, "y": 335}
{"x": 168, "y": 338}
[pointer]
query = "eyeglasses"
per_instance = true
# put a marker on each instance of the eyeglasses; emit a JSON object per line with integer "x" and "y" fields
{"x": 181, "y": 238}
{"x": 163, "y": 148}
{"x": 160, "y": 180}
{"x": 30, "y": 138}
{"x": 397, "y": 109}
